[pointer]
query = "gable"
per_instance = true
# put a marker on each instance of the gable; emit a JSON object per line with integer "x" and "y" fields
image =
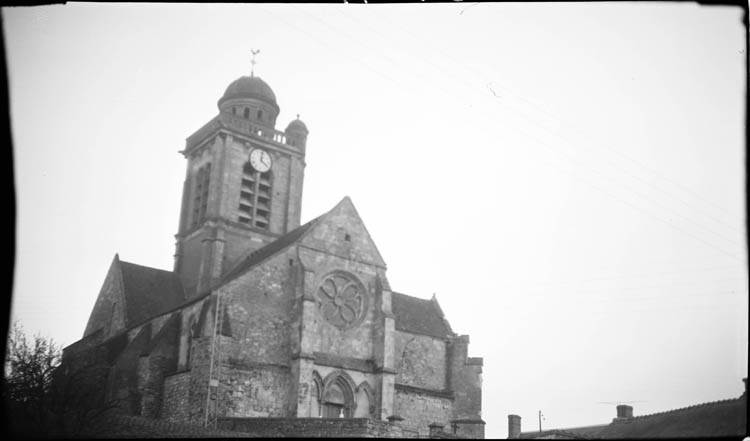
{"x": 341, "y": 232}
{"x": 108, "y": 314}
{"x": 149, "y": 292}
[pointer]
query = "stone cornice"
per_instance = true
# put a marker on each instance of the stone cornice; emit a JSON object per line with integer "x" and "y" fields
{"x": 224, "y": 222}
{"x": 218, "y": 126}
{"x": 468, "y": 421}
{"x": 435, "y": 393}
{"x": 355, "y": 364}
{"x": 303, "y": 356}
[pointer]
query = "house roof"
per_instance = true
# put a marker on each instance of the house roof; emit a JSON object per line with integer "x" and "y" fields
{"x": 720, "y": 418}
{"x": 716, "y": 419}
{"x": 149, "y": 292}
{"x": 587, "y": 432}
{"x": 419, "y": 316}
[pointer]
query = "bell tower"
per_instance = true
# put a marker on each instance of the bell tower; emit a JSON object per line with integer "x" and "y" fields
{"x": 243, "y": 184}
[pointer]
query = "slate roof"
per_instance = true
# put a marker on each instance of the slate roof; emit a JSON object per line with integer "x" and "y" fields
{"x": 588, "y": 432}
{"x": 419, "y": 316}
{"x": 267, "y": 251}
{"x": 720, "y": 418}
{"x": 725, "y": 418}
{"x": 149, "y": 292}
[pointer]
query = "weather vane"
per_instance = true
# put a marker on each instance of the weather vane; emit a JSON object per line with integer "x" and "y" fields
{"x": 255, "y": 52}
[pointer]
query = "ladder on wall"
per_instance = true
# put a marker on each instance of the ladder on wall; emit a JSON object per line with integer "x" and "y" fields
{"x": 214, "y": 369}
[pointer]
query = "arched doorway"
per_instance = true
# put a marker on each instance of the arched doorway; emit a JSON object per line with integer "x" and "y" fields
{"x": 334, "y": 402}
{"x": 337, "y": 399}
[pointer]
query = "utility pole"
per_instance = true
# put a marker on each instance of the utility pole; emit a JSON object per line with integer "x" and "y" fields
{"x": 540, "y": 420}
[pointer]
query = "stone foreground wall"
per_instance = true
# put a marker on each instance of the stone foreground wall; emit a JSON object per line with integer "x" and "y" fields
{"x": 315, "y": 428}
{"x": 121, "y": 426}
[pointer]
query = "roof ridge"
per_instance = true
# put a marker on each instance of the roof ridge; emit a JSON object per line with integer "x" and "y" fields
{"x": 407, "y": 295}
{"x": 561, "y": 431}
{"x": 585, "y": 427}
{"x": 144, "y": 266}
{"x": 693, "y": 406}
{"x": 568, "y": 432}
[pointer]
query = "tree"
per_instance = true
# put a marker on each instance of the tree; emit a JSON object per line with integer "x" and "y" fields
{"x": 46, "y": 397}
{"x": 29, "y": 370}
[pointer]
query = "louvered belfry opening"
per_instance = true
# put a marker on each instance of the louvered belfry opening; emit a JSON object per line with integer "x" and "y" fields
{"x": 200, "y": 202}
{"x": 255, "y": 198}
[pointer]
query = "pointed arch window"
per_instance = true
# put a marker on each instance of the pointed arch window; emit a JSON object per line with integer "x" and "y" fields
{"x": 255, "y": 198}
{"x": 200, "y": 200}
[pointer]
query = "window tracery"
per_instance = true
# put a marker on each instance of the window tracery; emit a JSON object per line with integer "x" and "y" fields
{"x": 342, "y": 299}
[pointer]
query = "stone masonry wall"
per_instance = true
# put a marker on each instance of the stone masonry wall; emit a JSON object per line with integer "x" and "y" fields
{"x": 355, "y": 342}
{"x": 419, "y": 410}
{"x": 255, "y": 392}
{"x": 192, "y": 252}
{"x": 420, "y": 361}
{"x": 466, "y": 380}
{"x": 176, "y": 395}
{"x": 255, "y": 351}
{"x": 344, "y": 245}
{"x": 259, "y": 305}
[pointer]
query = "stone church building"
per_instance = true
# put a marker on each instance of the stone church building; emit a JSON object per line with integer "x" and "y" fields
{"x": 264, "y": 318}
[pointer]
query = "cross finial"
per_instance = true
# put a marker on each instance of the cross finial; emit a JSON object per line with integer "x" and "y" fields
{"x": 254, "y": 52}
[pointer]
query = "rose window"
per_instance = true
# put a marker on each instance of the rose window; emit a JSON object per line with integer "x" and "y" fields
{"x": 343, "y": 300}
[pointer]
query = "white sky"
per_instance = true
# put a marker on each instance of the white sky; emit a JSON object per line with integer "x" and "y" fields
{"x": 568, "y": 178}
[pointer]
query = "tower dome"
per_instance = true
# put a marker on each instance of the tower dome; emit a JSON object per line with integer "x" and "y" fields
{"x": 249, "y": 87}
{"x": 252, "y": 98}
{"x": 296, "y": 126}
{"x": 296, "y": 133}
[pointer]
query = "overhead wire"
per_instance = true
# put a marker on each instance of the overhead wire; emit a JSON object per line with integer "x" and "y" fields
{"x": 550, "y": 114}
{"x": 567, "y": 141}
{"x": 641, "y": 194}
{"x": 690, "y": 271}
{"x": 530, "y": 136}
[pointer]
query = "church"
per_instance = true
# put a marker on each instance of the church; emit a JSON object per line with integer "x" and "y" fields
{"x": 265, "y": 319}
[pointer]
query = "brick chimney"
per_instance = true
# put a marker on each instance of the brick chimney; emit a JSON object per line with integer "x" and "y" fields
{"x": 624, "y": 412}
{"x": 514, "y": 426}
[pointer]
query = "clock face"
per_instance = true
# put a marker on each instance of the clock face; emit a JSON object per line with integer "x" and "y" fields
{"x": 260, "y": 160}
